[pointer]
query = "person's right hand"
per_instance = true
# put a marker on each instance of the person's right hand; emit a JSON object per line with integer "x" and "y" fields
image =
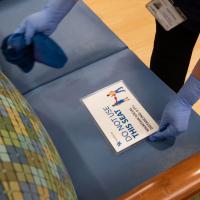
{"x": 43, "y": 21}
{"x": 175, "y": 117}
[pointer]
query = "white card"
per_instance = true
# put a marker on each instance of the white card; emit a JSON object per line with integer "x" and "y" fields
{"x": 166, "y": 13}
{"x": 120, "y": 116}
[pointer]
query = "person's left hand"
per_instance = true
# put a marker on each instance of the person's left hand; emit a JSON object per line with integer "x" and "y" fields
{"x": 175, "y": 119}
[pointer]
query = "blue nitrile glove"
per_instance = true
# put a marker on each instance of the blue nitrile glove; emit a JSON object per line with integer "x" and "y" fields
{"x": 175, "y": 118}
{"x": 46, "y": 20}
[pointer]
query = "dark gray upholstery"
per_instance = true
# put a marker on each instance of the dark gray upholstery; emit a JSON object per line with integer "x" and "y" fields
{"x": 95, "y": 168}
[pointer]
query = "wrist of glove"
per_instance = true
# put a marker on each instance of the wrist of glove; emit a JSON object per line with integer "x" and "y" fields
{"x": 46, "y": 20}
{"x": 59, "y": 8}
{"x": 176, "y": 115}
{"x": 190, "y": 92}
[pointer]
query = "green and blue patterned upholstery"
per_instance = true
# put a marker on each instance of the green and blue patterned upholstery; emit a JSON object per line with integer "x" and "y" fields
{"x": 30, "y": 167}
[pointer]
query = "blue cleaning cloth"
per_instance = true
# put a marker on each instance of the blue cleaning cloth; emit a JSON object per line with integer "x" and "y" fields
{"x": 42, "y": 49}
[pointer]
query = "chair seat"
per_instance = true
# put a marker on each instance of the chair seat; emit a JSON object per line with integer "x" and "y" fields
{"x": 96, "y": 170}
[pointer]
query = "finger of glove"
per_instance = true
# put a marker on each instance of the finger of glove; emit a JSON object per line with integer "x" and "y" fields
{"x": 163, "y": 126}
{"x": 170, "y": 131}
{"x": 48, "y": 32}
{"x": 20, "y": 29}
{"x": 29, "y": 33}
{"x": 164, "y": 121}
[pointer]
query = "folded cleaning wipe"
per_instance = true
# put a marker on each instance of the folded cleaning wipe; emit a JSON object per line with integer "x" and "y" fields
{"x": 42, "y": 49}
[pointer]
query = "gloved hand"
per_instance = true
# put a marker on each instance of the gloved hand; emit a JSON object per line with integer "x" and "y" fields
{"x": 46, "y": 20}
{"x": 176, "y": 115}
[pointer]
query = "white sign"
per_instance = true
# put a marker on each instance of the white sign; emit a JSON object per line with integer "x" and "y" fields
{"x": 120, "y": 116}
{"x": 166, "y": 13}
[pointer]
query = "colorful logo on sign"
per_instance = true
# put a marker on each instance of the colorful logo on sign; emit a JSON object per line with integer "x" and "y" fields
{"x": 114, "y": 94}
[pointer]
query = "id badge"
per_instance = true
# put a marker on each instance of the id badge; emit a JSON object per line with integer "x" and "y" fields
{"x": 166, "y": 13}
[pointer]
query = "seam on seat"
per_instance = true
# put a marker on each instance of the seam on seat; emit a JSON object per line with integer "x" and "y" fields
{"x": 82, "y": 66}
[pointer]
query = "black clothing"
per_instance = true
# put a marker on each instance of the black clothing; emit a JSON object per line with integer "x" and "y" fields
{"x": 171, "y": 54}
{"x": 173, "y": 49}
{"x": 191, "y": 8}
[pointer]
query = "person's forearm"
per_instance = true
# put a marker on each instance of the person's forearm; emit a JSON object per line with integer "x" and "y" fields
{"x": 191, "y": 89}
{"x": 60, "y": 6}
